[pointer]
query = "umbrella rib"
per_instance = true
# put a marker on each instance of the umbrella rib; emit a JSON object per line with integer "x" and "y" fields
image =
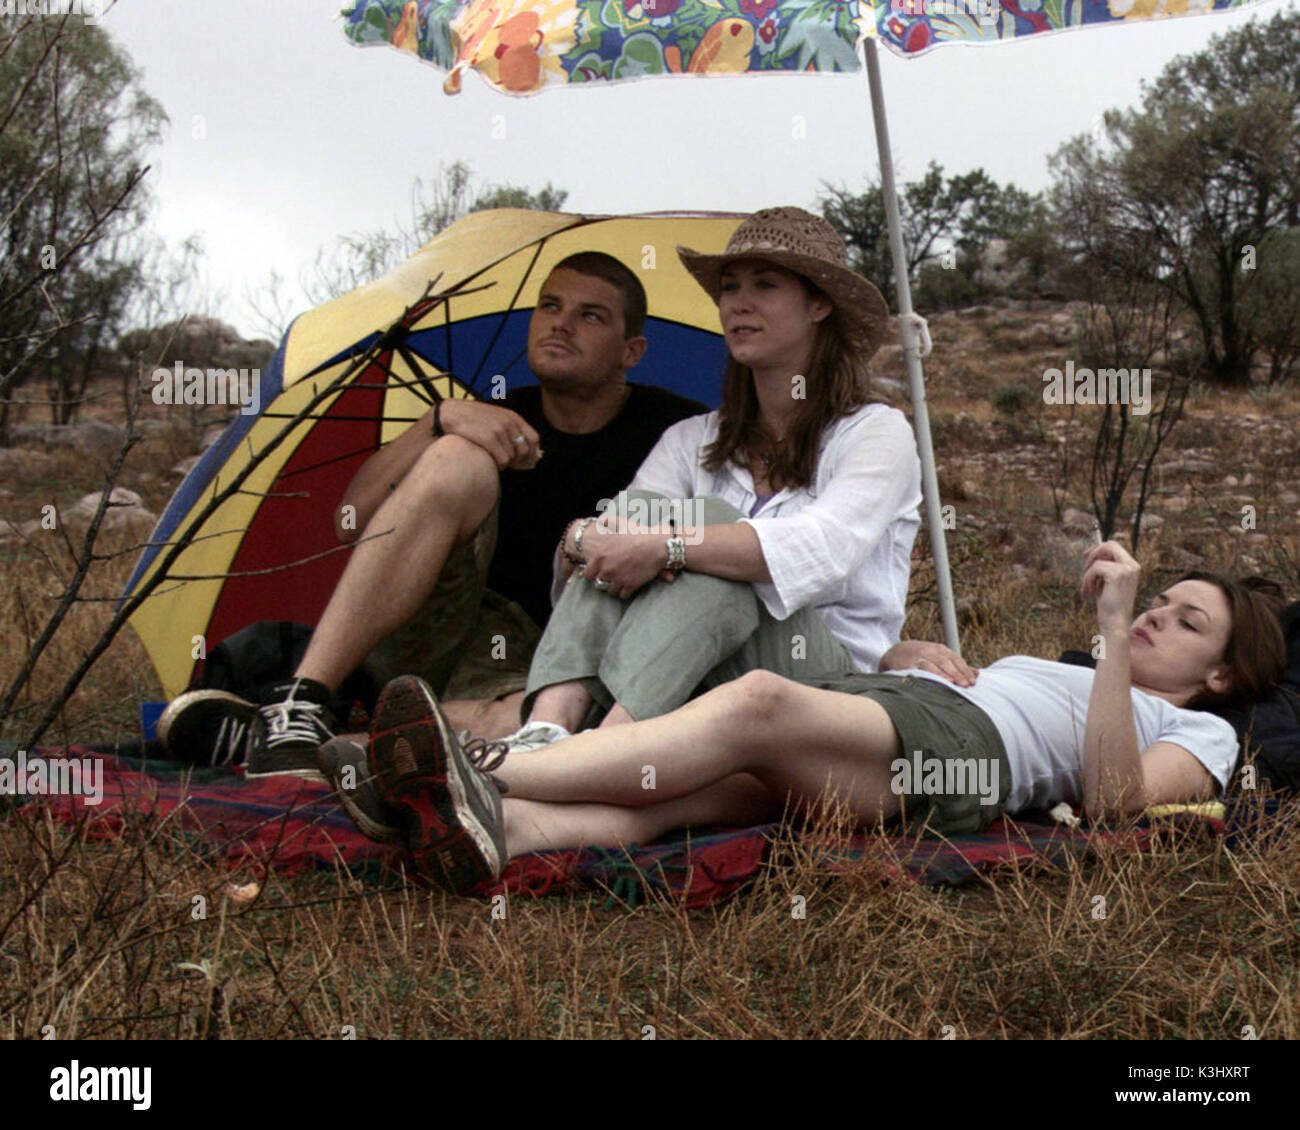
{"x": 334, "y": 459}
{"x": 515, "y": 359}
{"x": 422, "y": 380}
{"x": 413, "y": 313}
{"x": 505, "y": 315}
{"x": 392, "y": 382}
{"x": 446, "y": 333}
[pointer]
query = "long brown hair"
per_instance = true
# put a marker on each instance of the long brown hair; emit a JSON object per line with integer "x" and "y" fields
{"x": 1255, "y": 652}
{"x": 836, "y": 384}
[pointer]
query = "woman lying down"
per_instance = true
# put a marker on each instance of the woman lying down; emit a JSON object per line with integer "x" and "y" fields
{"x": 934, "y": 744}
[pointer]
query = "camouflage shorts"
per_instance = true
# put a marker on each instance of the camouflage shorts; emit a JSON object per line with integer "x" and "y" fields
{"x": 466, "y": 641}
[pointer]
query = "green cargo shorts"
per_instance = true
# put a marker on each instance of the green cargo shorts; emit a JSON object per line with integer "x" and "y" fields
{"x": 466, "y": 641}
{"x": 954, "y": 776}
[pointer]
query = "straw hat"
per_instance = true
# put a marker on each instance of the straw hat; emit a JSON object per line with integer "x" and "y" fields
{"x": 808, "y": 246}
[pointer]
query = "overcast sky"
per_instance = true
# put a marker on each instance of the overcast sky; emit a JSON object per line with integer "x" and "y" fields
{"x": 305, "y": 136}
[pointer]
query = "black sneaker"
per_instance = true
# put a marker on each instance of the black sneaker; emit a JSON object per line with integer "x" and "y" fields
{"x": 451, "y": 810}
{"x": 344, "y": 764}
{"x": 297, "y": 720}
{"x": 209, "y": 727}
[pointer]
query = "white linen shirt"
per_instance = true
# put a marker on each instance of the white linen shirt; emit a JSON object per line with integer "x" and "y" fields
{"x": 843, "y": 544}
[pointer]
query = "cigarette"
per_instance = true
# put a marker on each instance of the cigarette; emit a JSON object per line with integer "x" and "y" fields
{"x": 1096, "y": 532}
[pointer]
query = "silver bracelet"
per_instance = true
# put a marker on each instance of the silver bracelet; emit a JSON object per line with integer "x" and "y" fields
{"x": 577, "y": 536}
{"x": 676, "y": 554}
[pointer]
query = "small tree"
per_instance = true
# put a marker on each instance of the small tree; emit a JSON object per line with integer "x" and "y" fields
{"x": 1208, "y": 167}
{"x": 1128, "y": 445}
{"x": 74, "y": 124}
{"x": 960, "y": 213}
{"x": 436, "y": 204}
{"x": 1270, "y": 301}
{"x": 545, "y": 199}
{"x": 1127, "y": 324}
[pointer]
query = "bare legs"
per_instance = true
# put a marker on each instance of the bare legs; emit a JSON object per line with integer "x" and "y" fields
{"x": 617, "y": 716}
{"x": 538, "y": 825}
{"x": 733, "y": 755}
{"x": 564, "y": 704}
{"x": 485, "y": 717}
{"x": 438, "y": 505}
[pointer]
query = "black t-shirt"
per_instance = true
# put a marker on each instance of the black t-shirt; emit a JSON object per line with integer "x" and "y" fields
{"x": 575, "y": 473}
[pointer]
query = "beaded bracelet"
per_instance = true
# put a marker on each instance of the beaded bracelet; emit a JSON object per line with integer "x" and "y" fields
{"x": 564, "y": 543}
{"x": 676, "y": 548}
{"x": 676, "y": 554}
{"x": 577, "y": 538}
{"x": 574, "y": 559}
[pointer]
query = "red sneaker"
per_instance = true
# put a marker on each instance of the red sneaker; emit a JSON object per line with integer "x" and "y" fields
{"x": 451, "y": 811}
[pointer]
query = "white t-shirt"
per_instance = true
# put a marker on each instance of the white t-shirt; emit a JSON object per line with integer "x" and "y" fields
{"x": 843, "y": 544}
{"x": 1040, "y": 709}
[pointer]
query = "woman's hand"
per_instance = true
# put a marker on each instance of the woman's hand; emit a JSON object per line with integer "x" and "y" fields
{"x": 928, "y": 656}
{"x": 626, "y": 561}
{"x": 1111, "y": 574}
{"x": 1113, "y": 776}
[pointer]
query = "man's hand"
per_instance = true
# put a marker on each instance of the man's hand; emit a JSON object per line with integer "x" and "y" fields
{"x": 495, "y": 430}
{"x": 1111, "y": 575}
{"x": 932, "y": 657}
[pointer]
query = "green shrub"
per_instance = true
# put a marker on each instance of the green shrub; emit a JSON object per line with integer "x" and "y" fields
{"x": 1011, "y": 400}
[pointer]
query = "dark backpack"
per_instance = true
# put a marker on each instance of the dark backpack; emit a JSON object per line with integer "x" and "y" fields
{"x": 255, "y": 658}
{"x": 1270, "y": 729}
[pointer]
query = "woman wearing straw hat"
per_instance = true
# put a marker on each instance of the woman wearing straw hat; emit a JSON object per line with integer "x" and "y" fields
{"x": 774, "y": 533}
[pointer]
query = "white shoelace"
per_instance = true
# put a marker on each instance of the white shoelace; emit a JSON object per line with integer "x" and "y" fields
{"x": 293, "y": 722}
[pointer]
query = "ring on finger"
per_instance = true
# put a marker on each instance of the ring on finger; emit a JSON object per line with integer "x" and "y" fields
{"x": 519, "y": 441}
{"x": 601, "y": 584}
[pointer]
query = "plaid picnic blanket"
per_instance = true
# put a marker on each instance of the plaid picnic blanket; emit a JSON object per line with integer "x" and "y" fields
{"x": 287, "y": 825}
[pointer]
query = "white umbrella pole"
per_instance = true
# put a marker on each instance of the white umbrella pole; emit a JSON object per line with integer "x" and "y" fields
{"x": 912, "y": 354}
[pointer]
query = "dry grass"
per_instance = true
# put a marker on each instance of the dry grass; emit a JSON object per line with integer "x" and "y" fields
{"x": 102, "y": 938}
{"x": 1191, "y": 941}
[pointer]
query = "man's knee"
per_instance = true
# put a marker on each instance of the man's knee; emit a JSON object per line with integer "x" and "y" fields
{"x": 456, "y": 476}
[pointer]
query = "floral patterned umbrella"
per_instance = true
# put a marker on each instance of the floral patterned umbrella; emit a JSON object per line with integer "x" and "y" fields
{"x": 521, "y": 48}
